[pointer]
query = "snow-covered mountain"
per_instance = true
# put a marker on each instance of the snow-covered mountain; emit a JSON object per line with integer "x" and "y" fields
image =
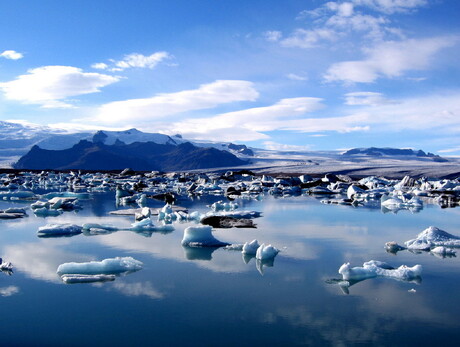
{"x": 17, "y": 139}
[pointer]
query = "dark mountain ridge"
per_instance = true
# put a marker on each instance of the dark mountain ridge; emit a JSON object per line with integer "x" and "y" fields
{"x": 140, "y": 156}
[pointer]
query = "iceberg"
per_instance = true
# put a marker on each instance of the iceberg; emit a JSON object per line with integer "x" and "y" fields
{"x": 266, "y": 252}
{"x": 250, "y": 248}
{"x": 70, "y": 279}
{"x": 443, "y": 252}
{"x": 374, "y": 268}
{"x": 107, "y": 266}
{"x": 432, "y": 237}
{"x": 393, "y": 247}
{"x": 201, "y": 236}
{"x": 59, "y": 229}
{"x": 46, "y": 212}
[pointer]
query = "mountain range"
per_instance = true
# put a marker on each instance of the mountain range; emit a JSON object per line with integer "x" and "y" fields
{"x": 139, "y": 156}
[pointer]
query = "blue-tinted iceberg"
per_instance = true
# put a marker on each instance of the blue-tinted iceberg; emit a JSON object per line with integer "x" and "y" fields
{"x": 250, "y": 248}
{"x": 200, "y": 236}
{"x": 107, "y": 266}
{"x": 266, "y": 252}
{"x": 432, "y": 237}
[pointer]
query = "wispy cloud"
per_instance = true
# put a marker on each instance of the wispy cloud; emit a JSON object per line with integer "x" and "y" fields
{"x": 49, "y": 86}
{"x": 12, "y": 55}
{"x": 162, "y": 105}
{"x": 271, "y": 145}
{"x": 366, "y": 98}
{"x": 9, "y": 291}
{"x": 389, "y": 59}
{"x": 134, "y": 60}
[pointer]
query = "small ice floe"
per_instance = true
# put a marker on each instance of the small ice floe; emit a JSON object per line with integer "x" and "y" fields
{"x": 144, "y": 213}
{"x": 201, "y": 236}
{"x": 374, "y": 268}
{"x": 59, "y": 230}
{"x": 224, "y": 206}
{"x": 108, "y": 266}
{"x": 234, "y": 214}
{"x": 47, "y": 212}
{"x": 79, "y": 278}
{"x": 393, "y": 247}
{"x": 432, "y": 237}
{"x": 148, "y": 225}
{"x": 12, "y": 213}
{"x": 266, "y": 252}
{"x": 250, "y": 248}
{"x": 98, "y": 229}
{"x": 17, "y": 195}
{"x": 6, "y": 267}
{"x": 443, "y": 252}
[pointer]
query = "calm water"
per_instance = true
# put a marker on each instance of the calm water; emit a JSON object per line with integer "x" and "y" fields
{"x": 212, "y": 297}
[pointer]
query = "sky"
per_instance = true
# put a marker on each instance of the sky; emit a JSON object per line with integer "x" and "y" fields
{"x": 275, "y": 74}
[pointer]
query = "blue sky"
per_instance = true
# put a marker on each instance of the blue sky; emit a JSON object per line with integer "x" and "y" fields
{"x": 284, "y": 74}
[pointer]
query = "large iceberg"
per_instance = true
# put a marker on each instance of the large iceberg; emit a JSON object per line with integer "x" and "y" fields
{"x": 250, "y": 248}
{"x": 107, "y": 266}
{"x": 432, "y": 237}
{"x": 374, "y": 268}
{"x": 200, "y": 236}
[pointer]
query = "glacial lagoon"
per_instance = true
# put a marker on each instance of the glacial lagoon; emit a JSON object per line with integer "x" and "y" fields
{"x": 185, "y": 296}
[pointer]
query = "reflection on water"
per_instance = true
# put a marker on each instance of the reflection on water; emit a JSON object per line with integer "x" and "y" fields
{"x": 191, "y": 295}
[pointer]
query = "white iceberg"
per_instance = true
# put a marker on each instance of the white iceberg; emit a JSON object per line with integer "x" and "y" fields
{"x": 443, "y": 252}
{"x": 107, "y": 266}
{"x": 59, "y": 229}
{"x": 86, "y": 278}
{"x": 200, "y": 236}
{"x": 374, "y": 268}
{"x": 250, "y": 248}
{"x": 432, "y": 237}
{"x": 266, "y": 252}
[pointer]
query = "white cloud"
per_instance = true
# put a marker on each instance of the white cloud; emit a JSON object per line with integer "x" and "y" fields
{"x": 303, "y": 38}
{"x": 141, "y": 61}
{"x": 389, "y": 59}
{"x": 295, "y": 77}
{"x": 12, "y": 55}
{"x": 162, "y": 105}
{"x": 435, "y": 113}
{"x": 49, "y": 86}
{"x": 8, "y": 291}
{"x": 366, "y": 98}
{"x": 100, "y": 66}
{"x": 391, "y": 6}
{"x": 273, "y": 35}
{"x": 134, "y": 60}
{"x": 271, "y": 145}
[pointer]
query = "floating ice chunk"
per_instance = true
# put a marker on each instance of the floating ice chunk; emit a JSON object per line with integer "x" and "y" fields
{"x": 200, "y": 236}
{"x": 17, "y": 195}
{"x": 443, "y": 251}
{"x": 234, "y": 247}
{"x": 107, "y": 266}
{"x": 46, "y": 212}
{"x": 234, "y": 214}
{"x": 66, "y": 195}
{"x": 142, "y": 200}
{"x": 98, "y": 229}
{"x": 375, "y": 268}
{"x": 147, "y": 225}
{"x": 250, "y": 248}
{"x": 224, "y": 206}
{"x": 432, "y": 237}
{"x": 87, "y": 278}
{"x": 393, "y": 247}
{"x": 354, "y": 191}
{"x": 6, "y": 266}
{"x": 266, "y": 252}
{"x": 59, "y": 229}
{"x": 145, "y": 213}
